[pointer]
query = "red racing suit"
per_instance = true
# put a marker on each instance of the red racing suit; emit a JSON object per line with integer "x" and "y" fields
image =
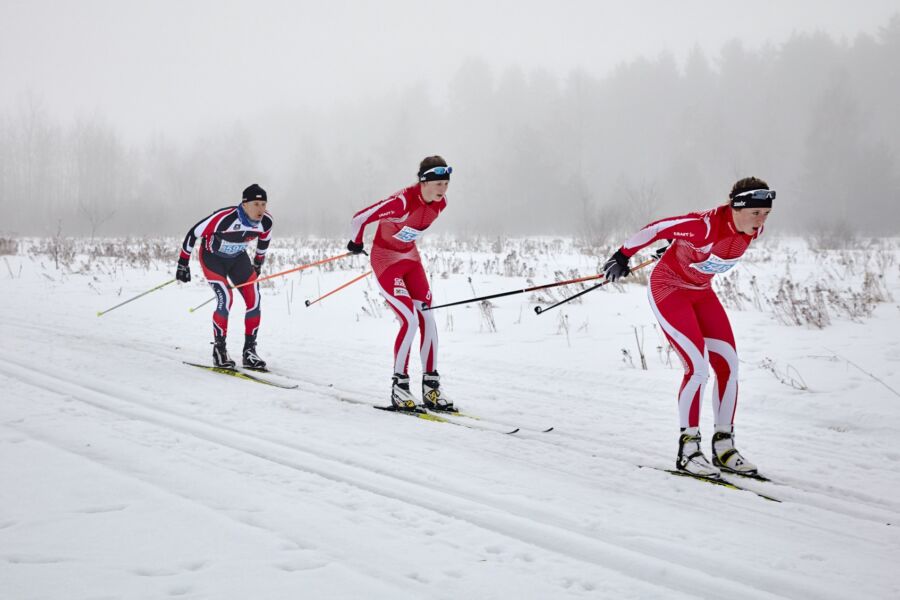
{"x": 688, "y": 310}
{"x": 403, "y": 218}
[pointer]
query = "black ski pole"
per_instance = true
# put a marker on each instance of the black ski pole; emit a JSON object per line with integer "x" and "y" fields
{"x": 541, "y": 311}
{"x": 502, "y": 294}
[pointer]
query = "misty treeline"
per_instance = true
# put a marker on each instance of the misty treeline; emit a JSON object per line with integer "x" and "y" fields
{"x": 533, "y": 152}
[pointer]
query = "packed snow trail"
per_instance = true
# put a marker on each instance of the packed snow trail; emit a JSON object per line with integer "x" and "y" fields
{"x": 123, "y": 470}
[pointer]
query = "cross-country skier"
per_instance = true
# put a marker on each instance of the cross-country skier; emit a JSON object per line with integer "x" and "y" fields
{"x": 690, "y": 314}
{"x": 402, "y": 219}
{"x": 224, "y": 236}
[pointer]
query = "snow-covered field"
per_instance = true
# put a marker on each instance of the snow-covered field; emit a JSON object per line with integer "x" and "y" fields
{"x": 125, "y": 474}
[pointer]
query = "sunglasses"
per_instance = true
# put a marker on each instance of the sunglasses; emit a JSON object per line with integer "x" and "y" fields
{"x": 756, "y": 195}
{"x": 438, "y": 171}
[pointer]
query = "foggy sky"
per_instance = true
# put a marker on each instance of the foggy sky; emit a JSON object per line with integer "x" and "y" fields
{"x": 576, "y": 118}
{"x": 179, "y": 67}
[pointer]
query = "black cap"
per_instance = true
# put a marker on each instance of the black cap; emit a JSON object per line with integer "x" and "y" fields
{"x": 254, "y": 192}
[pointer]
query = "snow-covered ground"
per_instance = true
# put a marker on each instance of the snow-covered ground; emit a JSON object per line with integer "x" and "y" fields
{"x": 125, "y": 474}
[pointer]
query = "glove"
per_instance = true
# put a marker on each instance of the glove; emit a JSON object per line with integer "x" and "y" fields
{"x": 183, "y": 273}
{"x": 257, "y": 266}
{"x": 616, "y": 267}
{"x": 354, "y": 247}
{"x": 660, "y": 251}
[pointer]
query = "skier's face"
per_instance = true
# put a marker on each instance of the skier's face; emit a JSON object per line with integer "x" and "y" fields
{"x": 749, "y": 220}
{"x": 433, "y": 191}
{"x": 255, "y": 209}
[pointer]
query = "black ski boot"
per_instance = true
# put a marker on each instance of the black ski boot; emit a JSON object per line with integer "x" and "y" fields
{"x": 251, "y": 358}
{"x": 220, "y": 354}
{"x": 401, "y": 397}
{"x": 432, "y": 396}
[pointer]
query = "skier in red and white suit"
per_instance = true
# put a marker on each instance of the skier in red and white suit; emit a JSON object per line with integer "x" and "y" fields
{"x": 691, "y": 316}
{"x": 402, "y": 219}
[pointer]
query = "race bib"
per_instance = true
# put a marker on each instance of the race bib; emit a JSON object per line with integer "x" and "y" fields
{"x": 408, "y": 234}
{"x": 232, "y": 247}
{"x": 715, "y": 265}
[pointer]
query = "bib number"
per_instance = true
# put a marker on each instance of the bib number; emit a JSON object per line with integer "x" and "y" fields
{"x": 715, "y": 265}
{"x": 232, "y": 247}
{"x": 408, "y": 234}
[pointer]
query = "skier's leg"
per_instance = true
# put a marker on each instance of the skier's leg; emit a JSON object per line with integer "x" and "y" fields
{"x": 675, "y": 312}
{"x": 723, "y": 357}
{"x": 242, "y": 272}
{"x": 678, "y": 321}
{"x": 420, "y": 292}
{"x": 393, "y": 288}
{"x": 215, "y": 270}
{"x": 433, "y": 394}
{"x": 719, "y": 339}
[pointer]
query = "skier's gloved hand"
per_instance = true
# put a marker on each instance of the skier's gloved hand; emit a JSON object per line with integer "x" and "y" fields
{"x": 183, "y": 273}
{"x": 616, "y": 267}
{"x": 257, "y": 266}
{"x": 355, "y": 248}
{"x": 660, "y": 251}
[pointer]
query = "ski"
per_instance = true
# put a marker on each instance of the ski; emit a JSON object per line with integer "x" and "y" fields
{"x": 754, "y": 476}
{"x": 712, "y": 480}
{"x": 437, "y": 416}
{"x": 441, "y": 417}
{"x": 242, "y": 375}
{"x": 459, "y": 418}
{"x": 419, "y": 413}
{"x": 462, "y": 415}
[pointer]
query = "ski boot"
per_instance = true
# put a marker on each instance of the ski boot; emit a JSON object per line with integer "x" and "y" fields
{"x": 727, "y": 458}
{"x": 432, "y": 396}
{"x": 690, "y": 458}
{"x": 401, "y": 398}
{"x": 220, "y": 354}
{"x": 251, "y": 358}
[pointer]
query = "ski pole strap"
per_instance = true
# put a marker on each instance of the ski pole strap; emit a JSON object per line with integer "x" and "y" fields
{"x": 540, "y": 311}
{"x": 502, "y": 294}
{"x": 162, "y": 285}
{"x": 339, "y": 288}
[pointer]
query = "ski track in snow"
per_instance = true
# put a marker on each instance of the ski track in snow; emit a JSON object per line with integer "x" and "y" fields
{"x": 536, "y": 529}
{"x": 843, "y": 501}
{"x": 559, "y": 514}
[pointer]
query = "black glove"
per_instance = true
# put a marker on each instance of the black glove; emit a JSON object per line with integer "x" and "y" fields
{"x": 660, "y": 251}
{"x": 354, "y": 247}
{"x": 616, "y": 267}
{"x": 257, "y": 266}
{"x": 183, "y": 273}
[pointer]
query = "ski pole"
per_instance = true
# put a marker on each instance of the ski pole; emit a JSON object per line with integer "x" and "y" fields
{"x": 337, "y": 289}
{"x": 162, "y": 285}
{"x": 541, "y": 311}
{"x": 501, "y": 294}
{"x": 258, "y": 279}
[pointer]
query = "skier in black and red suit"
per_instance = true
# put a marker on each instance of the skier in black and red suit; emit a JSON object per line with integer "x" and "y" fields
{"x": 224, "y": 236}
